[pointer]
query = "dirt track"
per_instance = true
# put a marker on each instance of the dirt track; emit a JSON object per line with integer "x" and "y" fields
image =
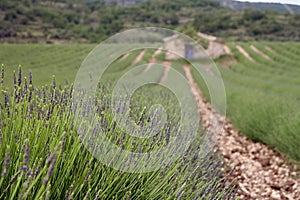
{"x": 271, "y": 50}
{"x": 153, "y": 59}
{"x": 166, "y": 71}
{"x": 139, "y": 57}
{"x": 124, "y": 57}
{"x": 242, "y": 51}
{"x": 260, "y": 52}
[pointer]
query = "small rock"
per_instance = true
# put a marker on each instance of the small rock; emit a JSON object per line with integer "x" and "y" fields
{"x": 288, "y": 185}
{"x": 275, "y": 195}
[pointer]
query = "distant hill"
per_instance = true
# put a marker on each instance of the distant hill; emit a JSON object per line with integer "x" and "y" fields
{"x": 92, "y": 21}
{"x": 239, "y": 5}
{"x": 125, "y": 2}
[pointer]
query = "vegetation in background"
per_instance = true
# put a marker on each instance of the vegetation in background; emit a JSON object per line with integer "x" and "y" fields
{"x": 63, "y": 61}
{"x": 263, "y": 6}
{"x": 249, "y": 25}
{"x": 94, "y": 21}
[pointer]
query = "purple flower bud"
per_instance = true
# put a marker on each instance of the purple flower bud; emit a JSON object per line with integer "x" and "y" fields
{"x": 114, "y": 126}
{"x": 6, "y": 162}
{"x": 70, "y": 192}
{"x": 133, "y": 142}
{"x": 19, "y": 76}
{"x": 105, "y": 124}
{"x": 175, "y": 187}
{"x": 121, "y": 169}
{"x": 46, "y": 180}
{"x": 30, "y": 78}
{"x": 63, "y": 146}
{"x": 25, "y": 86}
{"x": 6, "y": 100}
{"x": 103, "y": 105}
{"x": 13, "y": 179}
{"x": 26, "y": 157}
{"x": 52, "y": 161}
{"x": 28, "y": 174}
{"x": 2, "y": 74}
{"x": 140, "y": 148}
{"x": 23, "y": 168}
{"x": 30, "y": 109}
{"x": 194, "y": 188}
{"x": 15, "y": 79}
{"x": 44, "y": 96}
{"x": 49, "y": 173}
{"x": 163, "y": 172}
{"x": 71, "y": 92}
{"x": 37, "y": 170}
{"x": 50, "y": 158}
{"x": 30, "y": 94}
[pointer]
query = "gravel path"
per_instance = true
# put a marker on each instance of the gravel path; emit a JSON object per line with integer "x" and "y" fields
{"x": 260, "y": 172}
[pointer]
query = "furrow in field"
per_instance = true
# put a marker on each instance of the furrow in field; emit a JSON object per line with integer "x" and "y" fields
{"x": 166, "y": 71}
{"x": 271, "y": 50}
{"x": 260, "y": 52}
{"x": 153, "y": 59}
{"x": 245, "y": 53}
{"x": 227, "y": 50}
{"x": 138, "y": 58}
{"x": 259, "y": 171}
{"x": 124, "y": 57}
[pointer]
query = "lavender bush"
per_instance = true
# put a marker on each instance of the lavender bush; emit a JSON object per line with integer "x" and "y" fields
{"x": 42, "y": 156}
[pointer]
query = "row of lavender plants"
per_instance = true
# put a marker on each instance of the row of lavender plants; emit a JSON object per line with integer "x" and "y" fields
{"x": 42, "y": 156}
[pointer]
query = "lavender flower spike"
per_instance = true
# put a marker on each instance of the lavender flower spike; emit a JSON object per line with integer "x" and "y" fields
{"x": 2, "y": 74}
{"x": 19, "y": 76}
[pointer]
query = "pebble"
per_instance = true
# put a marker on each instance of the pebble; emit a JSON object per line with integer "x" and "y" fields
{"x": 275, "y": 195}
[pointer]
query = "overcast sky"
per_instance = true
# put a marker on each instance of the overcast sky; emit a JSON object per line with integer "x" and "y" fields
{"x": 276, "y": 1}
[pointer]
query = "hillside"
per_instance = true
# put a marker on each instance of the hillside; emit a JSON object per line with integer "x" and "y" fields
{"x": 92, "y": 21}
{"x": 238, "y": 6}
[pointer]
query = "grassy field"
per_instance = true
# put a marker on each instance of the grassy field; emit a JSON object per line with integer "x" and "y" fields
{"x": 44, "y": 61}
{"x": 263, "y": 95}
